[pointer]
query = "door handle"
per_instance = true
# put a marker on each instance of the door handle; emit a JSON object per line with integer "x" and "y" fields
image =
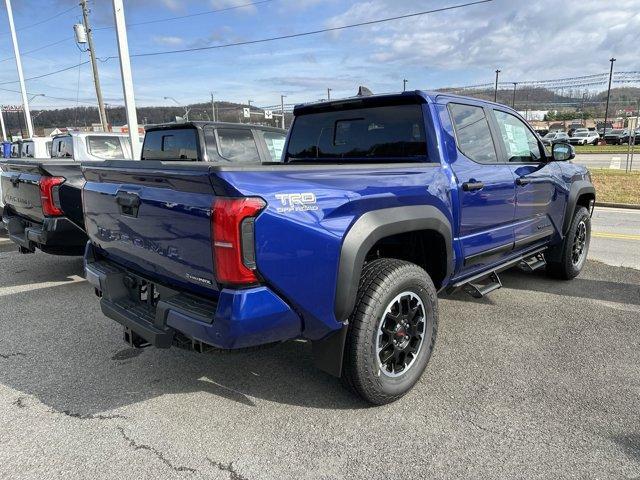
{"x": 126, "y": 199}
{"x": 471, "y": 186}
{"x": 522, "y": 181}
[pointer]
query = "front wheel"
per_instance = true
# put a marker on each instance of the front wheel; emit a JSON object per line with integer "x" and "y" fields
{"x": 392, "y": 330}
{"x": 570, "y": 256}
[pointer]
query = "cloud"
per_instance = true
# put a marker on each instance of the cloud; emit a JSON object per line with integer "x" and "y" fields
{"x": 169, "y": 41}
{"x": 244, "y": 5}
{"x": 527, "y": 40}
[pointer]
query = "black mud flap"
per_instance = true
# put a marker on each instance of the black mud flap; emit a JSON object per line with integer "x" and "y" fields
{"x": 328, "y": 352}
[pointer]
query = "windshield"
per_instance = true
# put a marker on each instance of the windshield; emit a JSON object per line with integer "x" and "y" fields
{"x": 581, "y": 134}
{"x": 365, "y": 134}
{"x": 550, "y": 135}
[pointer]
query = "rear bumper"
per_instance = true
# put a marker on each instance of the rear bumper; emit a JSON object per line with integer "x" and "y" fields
{"x": 56, "y": 232}
{"x": 237, "y": 319}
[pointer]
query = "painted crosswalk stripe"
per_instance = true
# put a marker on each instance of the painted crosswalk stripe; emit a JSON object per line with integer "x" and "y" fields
{"x": 615, "y": 163}
{"x": 619, "y": 236}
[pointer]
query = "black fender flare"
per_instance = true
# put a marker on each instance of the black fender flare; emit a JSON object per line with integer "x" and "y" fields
{"x": 578, "y": 189}
{"x": 373, "y": 226}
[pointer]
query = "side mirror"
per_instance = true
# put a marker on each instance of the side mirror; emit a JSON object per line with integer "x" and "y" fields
{"x": 561, "y": 152}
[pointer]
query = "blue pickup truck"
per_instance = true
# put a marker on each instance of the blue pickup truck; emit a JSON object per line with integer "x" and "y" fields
{"x": 380, "y": 203}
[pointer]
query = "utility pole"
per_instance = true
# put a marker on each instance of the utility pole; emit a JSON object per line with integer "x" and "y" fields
{"x": 16, "y": 51}
{"x": 282, "y": 109}
{"x": 584, "y": 97}
{"x": 213, "y": 108}
{"x": 4, "y": 131}
{"x": 495, "y": 91}
{"x": 127, "y": 80}
{"x": 94, "y": 65}
{"x": 513, "y": 102}
{"x": 329, "y": 93}
{"x": 404, "y": 85}
{"x": 606, "y": 109}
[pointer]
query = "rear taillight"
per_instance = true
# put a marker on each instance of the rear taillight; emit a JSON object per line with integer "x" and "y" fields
{"x": 50, "y": 195}
{"x": 232, "y": 226}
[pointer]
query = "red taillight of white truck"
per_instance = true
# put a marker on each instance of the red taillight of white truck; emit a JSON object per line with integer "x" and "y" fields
{"x": 50, "y": 195}
{"x": 232, "y": 228}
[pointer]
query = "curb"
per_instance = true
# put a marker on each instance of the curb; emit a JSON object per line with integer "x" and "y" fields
{"x": 618, "y": 205}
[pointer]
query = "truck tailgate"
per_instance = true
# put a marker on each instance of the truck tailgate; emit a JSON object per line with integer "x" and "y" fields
{"x": 21, "y": 191}
{"x": 155, "y": 221}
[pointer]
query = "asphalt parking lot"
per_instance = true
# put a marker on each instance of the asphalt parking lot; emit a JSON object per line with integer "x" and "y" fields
{"x": 540, "y": 380}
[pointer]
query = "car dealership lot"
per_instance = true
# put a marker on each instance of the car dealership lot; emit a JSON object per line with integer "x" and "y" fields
{"x": 539, "y": 380}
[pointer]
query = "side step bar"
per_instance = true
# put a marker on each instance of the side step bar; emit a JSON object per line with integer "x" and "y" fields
{"x": 484, "y": 283}
{"x": 479, "y": 290}
{"x": 533, "y": 263}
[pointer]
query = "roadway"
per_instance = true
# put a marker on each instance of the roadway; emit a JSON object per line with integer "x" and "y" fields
{"x": 608, "y": 160}
{"x": 538, "y": 380}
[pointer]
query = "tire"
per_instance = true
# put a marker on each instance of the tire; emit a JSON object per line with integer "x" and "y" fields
{"x": 381, "y": 328}
{"x": 570, "y": 262}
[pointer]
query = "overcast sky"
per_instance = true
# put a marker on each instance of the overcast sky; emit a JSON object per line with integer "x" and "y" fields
{"x": 527, "y": 40}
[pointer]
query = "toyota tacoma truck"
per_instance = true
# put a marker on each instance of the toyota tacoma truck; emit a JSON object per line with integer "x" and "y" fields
{"x": 380, "y": 203}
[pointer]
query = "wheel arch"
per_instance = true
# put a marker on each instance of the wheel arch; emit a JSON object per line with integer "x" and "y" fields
{"x": 582, "y": 193}
{"x": 374, "y": 226}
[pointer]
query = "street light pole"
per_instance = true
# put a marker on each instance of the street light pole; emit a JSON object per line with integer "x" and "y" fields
{"x": 495, "y": 91}
{"x": 213, "y": 108}
{"x": 606, "y": 109}
{"x": 4, "y": 131}
{"x": 513, "y": 102}
{"x": 282, "y": 109}
{"x": 23, "y": 90}
{"x": 404, "y": 85}
{"x": 94, "y": 65}
{"x": 329, "y": 93}
{"x": 127, "y": 80}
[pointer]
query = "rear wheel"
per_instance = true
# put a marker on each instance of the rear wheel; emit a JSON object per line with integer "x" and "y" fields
{"x": 570, "y": 256}
{"x": 392, "y": 330}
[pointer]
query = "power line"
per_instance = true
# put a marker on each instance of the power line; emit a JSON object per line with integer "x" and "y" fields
{"x": 42, "y": 21}
{"x": 180, "y": 17}
{"x": 48, "y": 74}
{"x": 39, "y": 48}
{"x": 304, "y": 34}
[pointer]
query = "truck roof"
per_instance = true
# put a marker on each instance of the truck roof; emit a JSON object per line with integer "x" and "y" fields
{"x": 413, "y": 96}
{"x": 203, "y": 123}
{"x": 85, "y": 134}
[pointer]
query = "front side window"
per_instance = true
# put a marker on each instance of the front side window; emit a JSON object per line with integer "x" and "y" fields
{"x": 108, "y": 148}
{"x": 237, "y": 145}
{"x": 519, "y": 143}
{"x": 391, "y": 133}
{"x": 472, "y": 133}
{"x": 275, "y": 144}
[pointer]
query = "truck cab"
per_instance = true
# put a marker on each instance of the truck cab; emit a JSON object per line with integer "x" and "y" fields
{"x": 214, "y": 142}
{"x": 92, "y": 146}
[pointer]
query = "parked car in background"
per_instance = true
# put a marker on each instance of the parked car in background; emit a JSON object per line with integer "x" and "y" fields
{"x": 586, "y": 137}
{"x": 83, "y": 146}
{"x": 36, "y": 147}
{"x": 43, "y": 197}
{"x": 216, "y": 142}
{"x": 552, "y": 138}
{"x": 345, "y": 242}
{"x": 616, "y": 136}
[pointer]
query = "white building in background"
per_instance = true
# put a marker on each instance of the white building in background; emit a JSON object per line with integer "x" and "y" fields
{"x": 534, "y": 115}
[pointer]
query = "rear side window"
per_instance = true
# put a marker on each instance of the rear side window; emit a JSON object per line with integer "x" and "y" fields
{"x": 62, "y": 147}
{"x": 108, "y": 148}
{"x": 237, "y": 145}
{"x": 27, "y": 149}
{"x": 366, "y": 134}
{"x": 275, "y": 144}
{"x": 472, "y": 133}
{"x": 178, "y": 144}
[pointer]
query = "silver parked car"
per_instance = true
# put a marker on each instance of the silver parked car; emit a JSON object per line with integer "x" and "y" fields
{"x": 589, "y": 137}
{"x": 555, "y": 137}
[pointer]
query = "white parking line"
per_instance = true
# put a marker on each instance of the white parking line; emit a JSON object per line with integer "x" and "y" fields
{"x": 37, "y": 286}
{"x": 615, "y": 163}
